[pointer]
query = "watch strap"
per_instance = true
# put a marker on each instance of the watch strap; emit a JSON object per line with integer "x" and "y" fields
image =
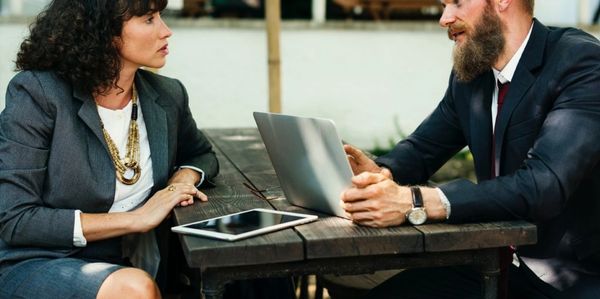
{"x": 417, "y": 197}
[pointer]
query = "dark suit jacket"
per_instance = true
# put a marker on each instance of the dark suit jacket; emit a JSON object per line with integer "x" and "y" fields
{"x": 547, "y": 140}
{"x": 54, "y": 160}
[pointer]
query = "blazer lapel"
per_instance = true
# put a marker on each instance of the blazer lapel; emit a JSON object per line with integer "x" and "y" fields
{"x": 521, "y": 82}
{"x": 89, "y": 114}
{"x": 99, "y": 158}
{"x": 481, "y": 125}
{"x": 155, "y": 119}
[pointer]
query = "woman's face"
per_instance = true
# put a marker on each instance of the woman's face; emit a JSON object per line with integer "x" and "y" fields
{"x": 143, "y": 42}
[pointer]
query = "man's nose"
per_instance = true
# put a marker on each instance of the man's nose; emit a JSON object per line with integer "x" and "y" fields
{"x": 448, "y": 16}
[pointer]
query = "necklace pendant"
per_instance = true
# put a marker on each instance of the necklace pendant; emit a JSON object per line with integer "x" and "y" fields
{"x": 130, "y": 164}
{"x": 130, "y": 176}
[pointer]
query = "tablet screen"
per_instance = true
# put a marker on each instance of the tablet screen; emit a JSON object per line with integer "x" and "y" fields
{"x": 243, "y": 222}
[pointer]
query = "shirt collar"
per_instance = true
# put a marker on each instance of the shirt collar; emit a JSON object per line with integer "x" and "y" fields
{"x": 507, "y": 73}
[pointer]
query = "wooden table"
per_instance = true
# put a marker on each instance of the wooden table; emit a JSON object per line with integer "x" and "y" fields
{"x": 329, "y": 245}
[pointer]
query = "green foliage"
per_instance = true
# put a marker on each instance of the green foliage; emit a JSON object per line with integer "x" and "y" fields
{"x": 380, "y": 150}
{"x": 459, "y": 166}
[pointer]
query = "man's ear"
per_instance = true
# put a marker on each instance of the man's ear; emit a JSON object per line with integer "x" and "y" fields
{"x": 503, "y": 5}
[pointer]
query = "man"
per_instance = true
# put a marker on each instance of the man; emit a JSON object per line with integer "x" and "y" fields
{"x": 525, "y": 99}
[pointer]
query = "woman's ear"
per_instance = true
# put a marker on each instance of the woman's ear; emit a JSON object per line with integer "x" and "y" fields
{"x": 117, "y": 42}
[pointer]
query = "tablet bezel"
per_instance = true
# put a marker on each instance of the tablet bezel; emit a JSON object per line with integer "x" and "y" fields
{"x": 183, "y": 229}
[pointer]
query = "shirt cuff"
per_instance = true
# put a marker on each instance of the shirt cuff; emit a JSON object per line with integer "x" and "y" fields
{"x": 445, "y": 202}
{"x": 196, "y": 169}
{"x": 78, "y": 238}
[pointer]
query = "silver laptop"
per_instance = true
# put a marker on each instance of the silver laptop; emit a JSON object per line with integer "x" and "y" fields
{"x": 309, "y": 160}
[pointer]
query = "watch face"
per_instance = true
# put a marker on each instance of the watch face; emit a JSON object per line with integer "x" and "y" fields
{"x": 417, "y": 216}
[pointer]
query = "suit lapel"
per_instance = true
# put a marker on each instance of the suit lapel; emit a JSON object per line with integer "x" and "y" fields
{"x": 155, "y": 119}
{"x": 481, "y": 126}
{"x": 521, "y": 82}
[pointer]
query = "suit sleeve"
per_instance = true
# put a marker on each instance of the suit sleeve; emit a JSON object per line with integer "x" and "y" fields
{"x": 193, "y": 148}
{"x": 26, "y": 127}
{"x": 414, "y": 159}
{"x": 565, "y": 152}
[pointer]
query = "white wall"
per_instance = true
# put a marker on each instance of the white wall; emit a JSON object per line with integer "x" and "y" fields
{"x": 560, "y": 12}
{"x": 365, "y": 80}
{"x": 361, "y": 79}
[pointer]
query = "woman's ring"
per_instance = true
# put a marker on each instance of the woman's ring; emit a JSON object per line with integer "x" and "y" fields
{"x": 171, "y": 188}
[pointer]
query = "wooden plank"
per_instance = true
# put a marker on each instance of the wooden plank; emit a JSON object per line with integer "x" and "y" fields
{"x": 244, "y": 147}
{"x": 337, "y": 237}
{"x": 332, "y": 236}
{"x": 280, "y": 246}
{"x": 229, "y": 181}
{"x": 447, "y": 237}
{"x": 230, "y": 196}
{"x": 268, "y": 183}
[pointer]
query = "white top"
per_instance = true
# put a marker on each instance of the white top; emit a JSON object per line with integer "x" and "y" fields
{"x": 116, "y": 123}
{"x": 127, "y": 197}
{"x": 141, "y": 249}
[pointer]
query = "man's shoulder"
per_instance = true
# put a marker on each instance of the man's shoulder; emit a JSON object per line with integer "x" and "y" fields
{"x": 572, "y": 39}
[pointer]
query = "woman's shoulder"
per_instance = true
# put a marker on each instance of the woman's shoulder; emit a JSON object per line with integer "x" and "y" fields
{"x": 35, "y": 76}
{"x": 44, "y": 88}
{"x": 160, "y": 82}
{"x": 38, "y": 81}
{"x": 169, "y": 90}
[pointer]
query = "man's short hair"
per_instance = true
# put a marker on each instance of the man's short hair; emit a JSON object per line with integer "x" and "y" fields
{"x": 528, "y": 5}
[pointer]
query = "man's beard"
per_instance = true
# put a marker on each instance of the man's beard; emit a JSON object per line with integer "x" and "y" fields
{"x": 479, "y": 53}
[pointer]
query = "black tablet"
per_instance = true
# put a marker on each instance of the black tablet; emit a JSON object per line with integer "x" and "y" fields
{"x": 243, "y": 224}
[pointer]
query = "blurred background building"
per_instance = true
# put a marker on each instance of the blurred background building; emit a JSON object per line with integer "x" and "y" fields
{"x": 376, "y": 67}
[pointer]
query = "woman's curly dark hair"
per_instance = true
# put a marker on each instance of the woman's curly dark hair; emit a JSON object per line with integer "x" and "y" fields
{"x": 75, "y": 39}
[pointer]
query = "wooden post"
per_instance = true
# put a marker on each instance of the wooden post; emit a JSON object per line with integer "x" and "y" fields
{"x": 318, "y": 11}
{"x": 584, "y": 13}
{"x": 273, "y": 14}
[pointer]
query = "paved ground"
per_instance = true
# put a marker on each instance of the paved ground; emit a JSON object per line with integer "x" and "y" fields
{"x": 367, "y": 78}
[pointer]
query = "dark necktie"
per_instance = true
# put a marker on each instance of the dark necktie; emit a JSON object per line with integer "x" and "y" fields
{"x": 506, "y": 254}
{"x": 502, "y": 90}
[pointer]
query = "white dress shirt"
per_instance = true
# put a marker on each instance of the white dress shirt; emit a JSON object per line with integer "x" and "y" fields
{"x": 506, "y": 75}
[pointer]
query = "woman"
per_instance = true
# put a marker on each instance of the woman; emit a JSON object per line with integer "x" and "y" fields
{"x": 94, "y": 153}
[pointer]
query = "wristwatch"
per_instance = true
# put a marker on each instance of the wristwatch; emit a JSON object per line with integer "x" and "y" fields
{"x": 416, "y": 215}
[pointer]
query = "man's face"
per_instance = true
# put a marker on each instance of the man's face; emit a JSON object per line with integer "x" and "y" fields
{"x": 477, "y": 31}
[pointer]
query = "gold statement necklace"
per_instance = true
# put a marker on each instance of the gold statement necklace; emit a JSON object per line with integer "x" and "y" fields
{"x": 128, "y": 170}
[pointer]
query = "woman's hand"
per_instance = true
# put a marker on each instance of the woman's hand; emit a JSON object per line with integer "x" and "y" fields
{"x": 101, "y": 226}
{"x": 191, "y": 177}
{"x": 156, "y": 209}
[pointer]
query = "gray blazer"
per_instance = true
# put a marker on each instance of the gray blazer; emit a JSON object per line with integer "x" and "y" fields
{"x": 54, "y": 160}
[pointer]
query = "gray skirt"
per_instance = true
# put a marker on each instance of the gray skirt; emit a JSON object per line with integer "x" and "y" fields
{"x": 54, "y": 278}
